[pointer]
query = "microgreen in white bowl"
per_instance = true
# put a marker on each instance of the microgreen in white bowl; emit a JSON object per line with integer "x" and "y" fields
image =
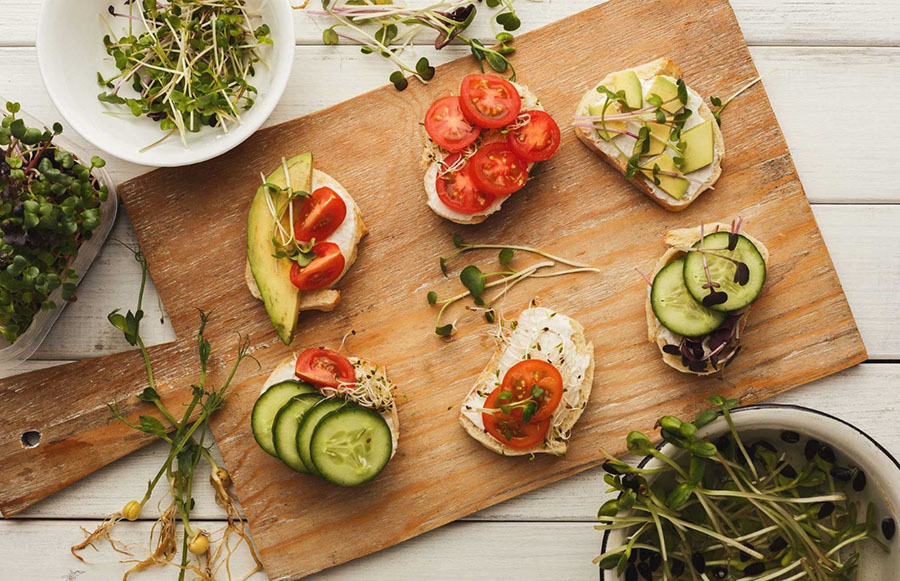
{"x": 151, "y": 83}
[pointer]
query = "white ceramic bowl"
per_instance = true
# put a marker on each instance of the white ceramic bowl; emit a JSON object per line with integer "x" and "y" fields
{"x": 71, "y": 52}
{"x": 851, "y": 445}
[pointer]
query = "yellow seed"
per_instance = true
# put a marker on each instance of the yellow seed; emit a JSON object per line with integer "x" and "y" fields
{"x": 224, "y": 477}
{"x": 199, "y": 544}
{"x": 132, "y": 510}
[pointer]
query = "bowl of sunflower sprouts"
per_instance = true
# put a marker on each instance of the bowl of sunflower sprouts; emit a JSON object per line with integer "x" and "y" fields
{"x": 758, "y": 493}
{"x": 165, "y": 82}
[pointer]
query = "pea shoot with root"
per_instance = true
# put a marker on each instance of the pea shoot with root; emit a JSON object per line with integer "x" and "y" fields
{"x": 725, "y": 510}
{"x": 387, "y": 29}
{"x": 477, "y": 282}
{"x": 203, "y": 553}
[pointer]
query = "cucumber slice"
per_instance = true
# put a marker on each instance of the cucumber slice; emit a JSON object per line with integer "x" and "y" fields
{"x": 674, "y": 306}
{"x": 286, "y": 426}
{"x": 722, "y": 271}
{"x": 266, "y": 408}
{"x": 308, "y": 426}
{"x": 351, "y": 446}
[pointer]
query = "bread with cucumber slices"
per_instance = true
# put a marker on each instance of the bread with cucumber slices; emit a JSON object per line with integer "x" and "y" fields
{"x": 691, "y": 337}
{"x": 313, "y": 429}
{"x": 538, "y": 333}
{"x": 700, "y": 136}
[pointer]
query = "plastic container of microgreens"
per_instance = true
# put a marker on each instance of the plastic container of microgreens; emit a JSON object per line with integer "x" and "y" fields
{"x": 13, "y": 355}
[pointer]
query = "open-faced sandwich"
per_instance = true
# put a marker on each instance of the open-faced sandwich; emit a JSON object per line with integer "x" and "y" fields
{"x": 324, "y": 414}
{"x": 534, "y": 388}
{"x": 302, "y": 235}
{"x": 481, "y": 145}
{"x": 647, "y": 123}
{"x": 700, "y": 297}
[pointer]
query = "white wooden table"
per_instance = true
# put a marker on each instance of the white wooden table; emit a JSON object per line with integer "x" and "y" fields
{"x": 832, "y": 71}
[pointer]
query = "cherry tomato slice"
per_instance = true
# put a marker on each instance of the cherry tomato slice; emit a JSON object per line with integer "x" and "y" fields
{"x": 447, "y": 125}
{"x": 537, "y": 140}
{"x": 536, "y": 380}
{"x": 489, "y": 101}
{"x": 457, "y": 192}
{"x": 324, "y": 368}
{"x": 325, "y": 268}
{"x": 509, "y": 429}
{"x": 321, "y": 214}
{"x": 495, "y": 169}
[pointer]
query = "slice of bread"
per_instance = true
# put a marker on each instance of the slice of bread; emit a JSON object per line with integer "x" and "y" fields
{"x": 701, "y": 112}
{"x": 681, "y": 237}
{"x": 325, "y": 299}
{"x": 433, "y": 154}
{"x": 564, "y": 418}
{"x": 284, "y": 371}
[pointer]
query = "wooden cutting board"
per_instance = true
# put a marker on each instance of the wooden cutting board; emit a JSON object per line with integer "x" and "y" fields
{"x": 191, "y": 225}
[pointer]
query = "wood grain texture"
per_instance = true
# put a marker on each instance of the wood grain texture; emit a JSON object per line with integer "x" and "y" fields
{"x": 800, "y": 330}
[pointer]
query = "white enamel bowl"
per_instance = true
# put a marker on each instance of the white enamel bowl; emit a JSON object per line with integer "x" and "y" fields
{"x": 851, "y": 445}
{"x": 71, "y": 53}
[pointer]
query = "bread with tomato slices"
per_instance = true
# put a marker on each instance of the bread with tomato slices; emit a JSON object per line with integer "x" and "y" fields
{"x": 453, "y": 139}
{"x": 538, "y": 335}
{"x": 676, "y": 189}
{"x": 277, "y": 280}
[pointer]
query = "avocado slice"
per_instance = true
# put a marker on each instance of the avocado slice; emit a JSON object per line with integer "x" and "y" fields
{"x": 281, "y": 297}
{"x": 674, "y": 186}
{"x": 699, "y": 150}
{"x": 628, "y": 81}
{"x": 613, "y": 109}
{"x": 659, "y": 138}
{"x": 668, "y": 92}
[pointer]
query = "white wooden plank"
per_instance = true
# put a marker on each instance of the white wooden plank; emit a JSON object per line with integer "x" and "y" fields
{"x": 848, "y": 395}
{"x": 39, "y": 550}
{"x": 799, "y": 22}
{"x": 840, "y": 158}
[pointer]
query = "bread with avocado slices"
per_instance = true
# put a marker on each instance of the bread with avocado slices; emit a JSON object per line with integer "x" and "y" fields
{"x": 685, "y": 168}
{"x": 268, "y": 277}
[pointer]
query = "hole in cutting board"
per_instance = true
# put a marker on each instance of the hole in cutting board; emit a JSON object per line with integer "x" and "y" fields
{"x": 31, "y": 439}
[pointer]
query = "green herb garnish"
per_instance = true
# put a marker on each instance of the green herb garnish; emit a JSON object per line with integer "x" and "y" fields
{"x": 387, "y": 30}
{"x": 185, "y": 64}
{"x": 477, "y": 282}
{"x": 50, "y": 203}
{"x": 726, "y": 510}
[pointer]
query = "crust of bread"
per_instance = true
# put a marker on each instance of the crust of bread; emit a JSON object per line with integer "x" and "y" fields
{"x": 660, "y": 66}
{"x": 326, "y": 299}
{"x": 558, "y": 446}
{"x": 687, "y": 237}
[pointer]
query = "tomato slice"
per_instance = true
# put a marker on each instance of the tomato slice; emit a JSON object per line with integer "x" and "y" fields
{"x": 537, "y": 140}
{"x": 324, "y": 269}
{"x": 535, "y": 380}
{"x": 457, "y": 191}
{"x": 489, "y": 101}
{"x": 321, "y": 214}
{"x": 324, "y": 368}
{"x": 495, "y": 169}
{"x": 447, "y": 125}
{"x": 509, "y": 429}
